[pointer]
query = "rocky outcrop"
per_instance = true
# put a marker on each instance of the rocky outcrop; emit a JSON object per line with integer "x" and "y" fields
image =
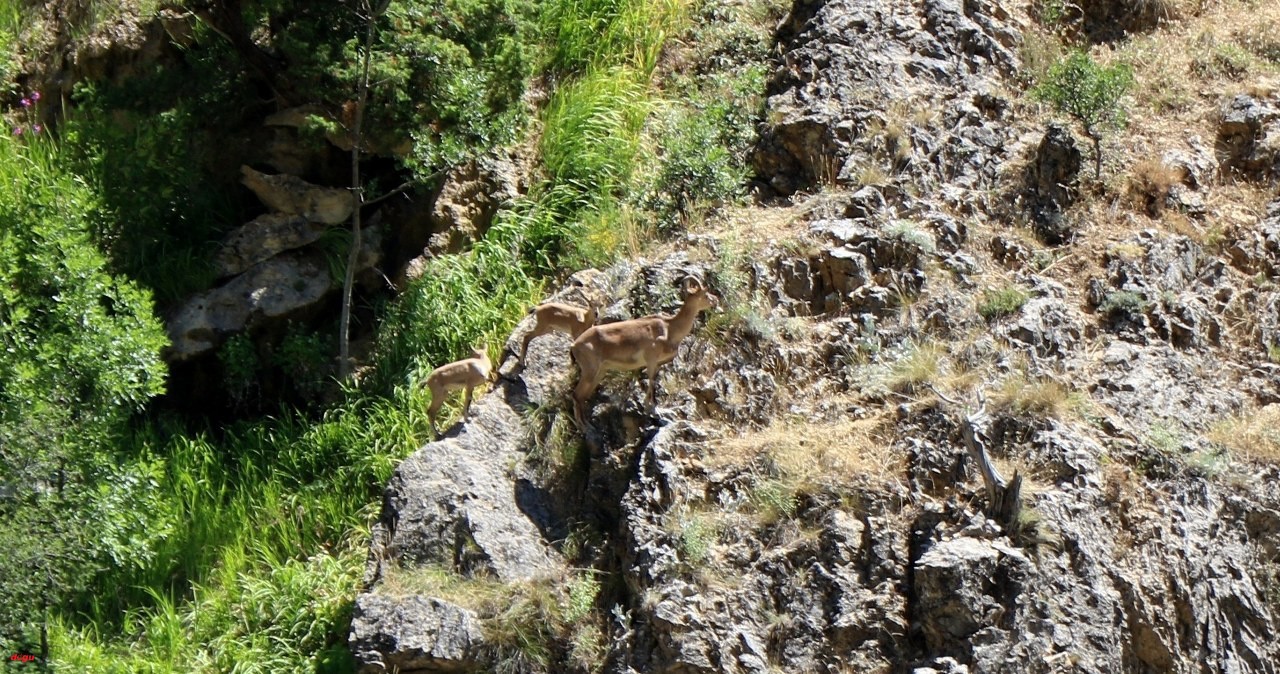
{"x": 263, "y": 238}
{"x": 291, "y": 195}
{"x": 1140, "y": 546}
{"x": 272, "y": 290}
{"x": 414, "y": 634}
{"x": 1257, "y": 250}
{"x": 470, "y": 197}
{"x": 1249, "y": 136}
{"x": 892, "y": 571}
{"x": 855, "y": 73}
{"x": 1053, "y": 182}
{"x": 1163, "y": 288}
{"x": 466, "y": 503}
{"x": 275, "y": 272}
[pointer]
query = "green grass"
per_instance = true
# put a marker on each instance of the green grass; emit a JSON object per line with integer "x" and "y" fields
{"x": 261, "y": 572}
{"x": 1000, "y": 302}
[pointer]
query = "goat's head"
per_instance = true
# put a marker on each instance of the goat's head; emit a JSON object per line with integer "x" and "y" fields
{"x": 479, "y": 352}
{"x": 697, "y": 294}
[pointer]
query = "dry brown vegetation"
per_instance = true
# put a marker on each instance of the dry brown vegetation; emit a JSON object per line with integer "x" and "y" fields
{"x": 1253, "y": 435}
{"x": 808, "y": 453}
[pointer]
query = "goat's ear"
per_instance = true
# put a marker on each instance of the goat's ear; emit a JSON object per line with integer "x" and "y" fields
{"x": 690, "y": 285}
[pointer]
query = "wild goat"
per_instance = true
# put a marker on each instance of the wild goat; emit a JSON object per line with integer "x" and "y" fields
{"x": 562, "y": 317}
{"x": 465, "y": 374}
{"x": 648, "y": 342}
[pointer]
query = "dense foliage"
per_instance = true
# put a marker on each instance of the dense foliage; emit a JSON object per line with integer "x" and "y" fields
{"x": 79, "y": 352}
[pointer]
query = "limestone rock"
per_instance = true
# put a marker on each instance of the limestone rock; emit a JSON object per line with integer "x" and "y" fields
{"x": 273, "y": 289}
{"x": 414, "y": 634}
{"x": 265, "y": 237}
{"x": 452, "y": 504}
{"x": 844, "y": 60}
{"x": 1257, "y": 250}
{"x": 471, "y": 195}
{"x": 293, "y": 196}
{"x": 1054, "y": 178}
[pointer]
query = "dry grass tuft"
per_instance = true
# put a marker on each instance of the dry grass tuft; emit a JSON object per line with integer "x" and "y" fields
{"x": 816, "y": 453}
{"x": 481, "y": 594}
{"x": 1149, "y": 185}
{"x": 1253, "y": 435}
{"x": 1025, "y": 395}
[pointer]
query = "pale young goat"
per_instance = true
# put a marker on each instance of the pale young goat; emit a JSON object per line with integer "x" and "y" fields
{"x": 467, "y": 373}
{"x": 648, "y": 342}
{"x": 553, "y": 316}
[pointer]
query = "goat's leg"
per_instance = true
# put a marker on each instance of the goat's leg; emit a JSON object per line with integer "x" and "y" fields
{"x": 529, "y": 337}
{"x": 437, "y": 399}
{"x": 466, "y": 403}
{"x": 587, "y": 384}
{"x": 653, "y": 364}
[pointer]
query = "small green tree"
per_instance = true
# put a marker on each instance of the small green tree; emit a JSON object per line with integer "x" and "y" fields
{"x": 1089, "y": 93}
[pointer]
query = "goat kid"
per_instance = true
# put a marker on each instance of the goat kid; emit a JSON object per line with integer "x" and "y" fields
{"x": 462, "y": 374}
{"x": 648, "y": 342}
{"x": 553, "y": 316}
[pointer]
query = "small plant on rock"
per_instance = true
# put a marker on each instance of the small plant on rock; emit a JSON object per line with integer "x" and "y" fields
{"x": 1123, "y": 302}
{"x": 998, "y": 302}
{"x": 1089, "y": 93}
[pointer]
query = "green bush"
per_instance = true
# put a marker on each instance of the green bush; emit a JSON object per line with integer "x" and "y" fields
{"x": 697, "y": 171}
{"x": 1006, "y": 301}
{"x": 1089, "y": 93}
{"x": 1123, "y": 303}
{"x": 79, "y": 354}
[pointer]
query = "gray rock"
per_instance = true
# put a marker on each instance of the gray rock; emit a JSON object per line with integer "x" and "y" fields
{"x": 1249, "y": 136}
{"x": 1054, "y": 178}
{"x": 470, "y": 197}
{"x": 265, "y": 237}
{"x": 274, "y": 289}
{"x": 414, "y": 634}
{"x": 958, "y": 586}
{"x": 845, "y": 60}
{"x": 1257, "y": 250}
{"x": 452, "y": 503}
{"x": 293, "y": 196}
{"x": 1172, "y": 292}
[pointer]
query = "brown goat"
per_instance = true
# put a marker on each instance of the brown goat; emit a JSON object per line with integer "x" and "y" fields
{"x": 462, "y": 374}
{"x": 647, "y": 342}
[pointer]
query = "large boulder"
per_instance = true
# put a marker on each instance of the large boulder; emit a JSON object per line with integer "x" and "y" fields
{"x": 414, "y": 634}
{"x": 265, "y": 237}
{"x": 292, "y": 195}
{"x": 274, "y": 289}
{"x": 848, "y": 63}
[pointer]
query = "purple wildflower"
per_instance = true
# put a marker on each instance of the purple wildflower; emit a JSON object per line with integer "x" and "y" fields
{"x": 35, "y": 95}
{"x": 36, "y": 128}
{"x": 17, "y": 131}
{"x": 26, "y": 102}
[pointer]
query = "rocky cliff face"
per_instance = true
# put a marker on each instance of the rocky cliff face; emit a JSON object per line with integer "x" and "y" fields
{"x": 804, "y": 498}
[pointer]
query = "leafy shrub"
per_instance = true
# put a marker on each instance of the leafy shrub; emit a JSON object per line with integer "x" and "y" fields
{"x": 1123, "y": 303}
{"x": 305, "y": 357}
{"x": 697, "y": 171}
{"x": 1089, "y": 93}
{"x": 996, "y": 303}
{"x": 79, "y": 354}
